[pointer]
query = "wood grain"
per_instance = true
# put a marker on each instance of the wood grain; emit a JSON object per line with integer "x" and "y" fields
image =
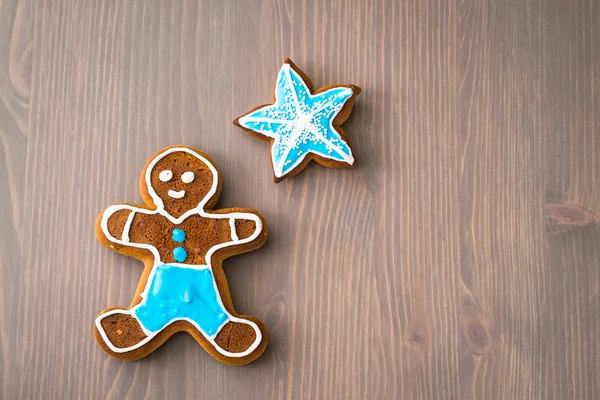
{"x": 459, "y": 260}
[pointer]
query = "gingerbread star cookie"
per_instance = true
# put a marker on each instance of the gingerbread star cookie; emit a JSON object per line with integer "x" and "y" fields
{"x": 303, "y": 124}
{"x": 182, "y": 242}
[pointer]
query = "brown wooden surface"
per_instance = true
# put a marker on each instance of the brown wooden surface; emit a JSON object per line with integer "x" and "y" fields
{"x": 460, "y": 259}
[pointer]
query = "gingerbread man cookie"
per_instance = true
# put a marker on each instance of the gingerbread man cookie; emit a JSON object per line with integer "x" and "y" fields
{"x": 182, "y": 243}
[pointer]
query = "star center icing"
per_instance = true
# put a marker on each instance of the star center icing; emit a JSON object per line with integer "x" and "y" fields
{"x": 301, "y": 123}
{"x": 303, "y": 120}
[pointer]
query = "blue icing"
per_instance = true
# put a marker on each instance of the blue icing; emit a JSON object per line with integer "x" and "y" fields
{"x": 178, "y": 293}
{"x": 178, "y": 235}
{"x": 179, "y": 254}
{"x": 300, "y": 123}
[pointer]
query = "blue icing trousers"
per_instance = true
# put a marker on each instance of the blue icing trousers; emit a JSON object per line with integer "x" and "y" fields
{"x": 180, "y": 292}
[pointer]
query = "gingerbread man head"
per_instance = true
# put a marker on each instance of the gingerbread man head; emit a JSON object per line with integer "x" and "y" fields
{"x": 178, "y": 180}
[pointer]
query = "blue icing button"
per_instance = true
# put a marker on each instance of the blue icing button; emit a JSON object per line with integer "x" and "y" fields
{"x": 178, "y": 235}
{"x": 179, "y": 254}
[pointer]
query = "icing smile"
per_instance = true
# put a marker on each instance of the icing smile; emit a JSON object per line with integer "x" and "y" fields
{"x": 176, "y": 195}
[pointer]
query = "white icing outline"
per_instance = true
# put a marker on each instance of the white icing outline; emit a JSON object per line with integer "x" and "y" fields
{"x": 234, "y": 235}
{"x": 199, "y": 210}
{"x": 127, "y": 227}
{"x": 297, "y": 128}
{"x": 176, "y": 195}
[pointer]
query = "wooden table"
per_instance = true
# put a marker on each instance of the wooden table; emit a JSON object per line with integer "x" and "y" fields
{"x": 460, "y": 259}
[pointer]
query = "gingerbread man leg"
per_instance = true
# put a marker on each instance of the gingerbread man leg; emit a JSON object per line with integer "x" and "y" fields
{"x": 235, "y": 335}
{"x": 176, "y": 293}
{"x": 121, "y": 330}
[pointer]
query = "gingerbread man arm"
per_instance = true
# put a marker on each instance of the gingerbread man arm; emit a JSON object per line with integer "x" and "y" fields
{"x": 115, "y": 223}
{"x": 245, "y": 231}
{"x": 114, "y": 220}
{"x": 243, "y": 226}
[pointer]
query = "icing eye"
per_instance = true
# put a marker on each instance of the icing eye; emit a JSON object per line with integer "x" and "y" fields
{"x": 165, "y": 175}
{"x": 188, "y": 177}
